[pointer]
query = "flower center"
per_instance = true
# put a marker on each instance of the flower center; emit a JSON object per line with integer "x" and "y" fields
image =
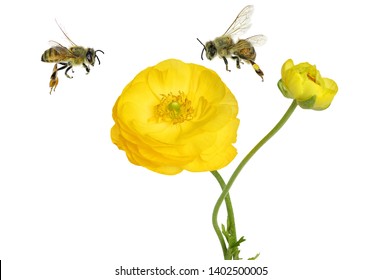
{"x": 313, "y": 75}
{"x": 174, "y": 108}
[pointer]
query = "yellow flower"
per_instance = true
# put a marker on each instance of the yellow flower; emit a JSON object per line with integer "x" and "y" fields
{"x": 304, "y": 83}
{"x": 176, "y": 116}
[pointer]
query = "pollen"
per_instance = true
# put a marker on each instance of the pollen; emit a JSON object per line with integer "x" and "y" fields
{"x": 174, "y": 108}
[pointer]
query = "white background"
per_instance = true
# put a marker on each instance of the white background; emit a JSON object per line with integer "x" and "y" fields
{"x": 73, "y": 207}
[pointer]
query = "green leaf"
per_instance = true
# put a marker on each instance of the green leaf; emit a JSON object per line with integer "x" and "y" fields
{"x": 253, "y": 258}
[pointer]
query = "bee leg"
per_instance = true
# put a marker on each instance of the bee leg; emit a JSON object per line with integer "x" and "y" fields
{"x": 64, "y": 65}
{"x": 257, "y": 69}
{"x": 54, "y": 74}
{"x": 226, "y": 63}
{"x": 53, "y": 84}
{"x": 87, "y": 68}
{"x": 68, "y": 68}
{"x": 61, "y": 68}
{"x": 238, "y": 61}
{"x": 53, "y": 79}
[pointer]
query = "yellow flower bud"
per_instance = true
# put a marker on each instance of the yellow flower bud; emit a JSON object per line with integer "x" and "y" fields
{"x": 304, "y": 83}
{"x": 176, "y": 116}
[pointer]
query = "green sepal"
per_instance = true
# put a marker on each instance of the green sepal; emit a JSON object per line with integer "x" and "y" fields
{"x": 308, "y": 104}
{"x": 283, "y": 89}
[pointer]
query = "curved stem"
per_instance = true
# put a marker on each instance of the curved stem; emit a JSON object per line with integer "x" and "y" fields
{"x": 272, "y": 132}
{"x": 246, "y": 159}
{"x": 228, "y": 203}
{"x": 214, "y": 217}
{"x": 230, "y": 218}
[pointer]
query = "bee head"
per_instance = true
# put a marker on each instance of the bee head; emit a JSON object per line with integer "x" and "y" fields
{"x": 91, "y": 55}
{"x": 210, "y": 50}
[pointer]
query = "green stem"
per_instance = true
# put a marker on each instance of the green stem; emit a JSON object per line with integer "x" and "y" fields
{"x": 246, "y": 159}
{"x": 230, "y": 214}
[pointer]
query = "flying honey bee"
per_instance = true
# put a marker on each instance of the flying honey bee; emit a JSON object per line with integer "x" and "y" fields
{"x": 224, "y": 46}
{"x": 67, "y": 58}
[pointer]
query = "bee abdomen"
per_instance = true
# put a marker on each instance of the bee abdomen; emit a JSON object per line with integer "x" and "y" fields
{"x": 50, "y": 55}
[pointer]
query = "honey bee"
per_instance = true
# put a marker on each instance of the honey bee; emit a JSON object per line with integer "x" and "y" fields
{"x": 224, "y": 46}
{"x": 67, "y": 58}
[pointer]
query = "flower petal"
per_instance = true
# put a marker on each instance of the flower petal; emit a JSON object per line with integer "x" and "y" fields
{"x": 200, "y": 142}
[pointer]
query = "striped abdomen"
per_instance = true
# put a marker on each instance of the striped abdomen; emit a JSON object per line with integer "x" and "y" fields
{"x": 52, "y": 55}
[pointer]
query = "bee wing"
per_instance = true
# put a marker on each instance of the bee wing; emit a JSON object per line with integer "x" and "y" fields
{"x": 63, "y": 31}
{"x": 241, "y": 22}
{"x": 63, "y": 51}
{"x": 257, "y": 40}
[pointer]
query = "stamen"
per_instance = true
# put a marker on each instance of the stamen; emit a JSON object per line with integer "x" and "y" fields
{"x": 312, "y": 78}
{"x": 174, "y": 108}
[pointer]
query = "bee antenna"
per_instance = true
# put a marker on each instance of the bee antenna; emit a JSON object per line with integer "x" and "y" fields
{"x": 202, "y": 52}
{"x": 97, "y": 56}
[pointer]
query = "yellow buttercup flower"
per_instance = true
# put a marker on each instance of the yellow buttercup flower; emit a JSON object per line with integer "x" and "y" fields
{"x": 176, "y": 116}
{"x": 304, "y": 83}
